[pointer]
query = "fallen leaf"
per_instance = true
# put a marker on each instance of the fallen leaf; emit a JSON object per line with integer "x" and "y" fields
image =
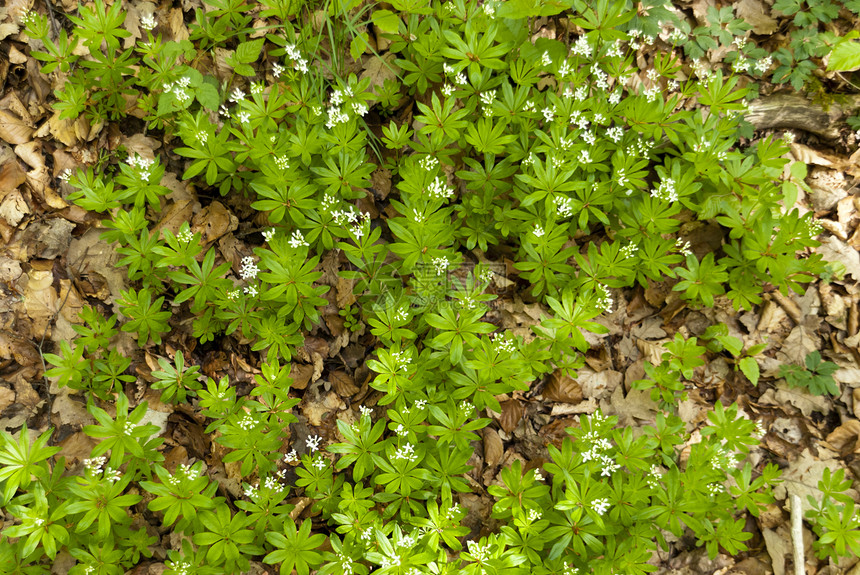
{"x": 493, "y": 447}
{"x": 343, "y": 384}
{"x": 13, "y": 208}
{"x": 834, "y": 250}
{"x": 562, "y": 388}
{"x": 757, "y": 15}
{"x": 512, "y": 413}
{"x": 13, "y": 129}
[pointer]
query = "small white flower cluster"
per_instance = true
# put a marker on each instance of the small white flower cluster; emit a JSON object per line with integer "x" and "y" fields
{"x": 439, "y": 190}
{"x": 247, "y": 423}
{"x": 600, "y": 506}
{"x": 406, "y": 452}
{"x": 789, "y": 137}
{"x": 251, "y": 491}
{"x": 237, "y": 95}
{"x": 614, "y": 97}
{"x": 538, "y": 231}
{"x": 189, "y": 472}
{"x": 502, "y": 344}
{"x": 66, "y": 175}
{"x": 112, "y": 475}
{"x": 148, "y": 22}
{"x": 388, "y": 562}
{"x": 741, "y": 65}
{"x": 313, "y": 442}
{"x": 652, "y": 93}
{"x": 243, "y": 117}
{"x": 548, "y": 114}
{"x": 629, "y": 250}
{"x": 486, "y": 275}
{"x": 539, "y": 476}
{"x": 467, "y": 407}
{"x": 677, "y": 36}
{"x": 601, "y": 78}
{"x": 563, "y": 207}
{"x": 529, "y": 106}
{"x": 299, "y": 63}
{"x": 763, "y": 65}
{"x": 723, "y": 459}
{"x": 683, "y": 246}
{"x": 234, "y": 294}
{"x": 582, "y": 48}
{"x": 143, "y": 165}
{"x": 282, "y": 162}
{"x": 478, "y": 551}
{"x": 277, "y": 70}
{"x": 702, "y": 72}
{"x": 402, "y": 359}
{"x": 419, "y": 405}
{"x": 292, "y": 457}
{"x": 251, "y": 291}
{"x": 95, "y": 464}
{"x": 128, "y": 428}
{"x": 615, "y": 133}
{"x": 320, "y": 463}
{"x": 584, "y": 157}
{"x": 441, "y": 265}
{"x": 178, "y": 89}
{"x": 487, "y": 99}
{"x": 428, "y": 163}
{"x": 665, "y": 191}
{"x": 615, "y": 50}
{"x": 533, "y": 515}
{"x": 654, "y": 475}
{"x": 249, "y": 268}
{"x": 402, "y": 314}
{"x": 715, "y": 488}
{"x": 269, "y": 234}
{"x": 180, "y": 567}
{"x": 759, "y": 429}
{"x": 489, "y": 9}
{"x": 401, "y": 431}
{"x": 345, "y": 563}
{"x": 452, "y": 512}
{"x": 297, "y": 240}
{"x": 447, "y": 90}
{"x": 604, "y": 298}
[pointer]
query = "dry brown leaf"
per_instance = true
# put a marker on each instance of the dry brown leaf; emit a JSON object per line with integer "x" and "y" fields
{"x": 301, "y": 374}
{"x": 562, "y": 388}
{"x": 757, "y": 15}
{"x": 512, "y": 413}
{"x": 40, "y": 300}
{"x": 13, "y": 129}
{"x": 379, "y": 70}
{"x": 214, "y": 221}
{"x": 343, "y": 383}
{"x": 493, "y": 447}
{"x": 13, "y": 208}
{"x": 31, "y": 153}
{"x": 844, "y": 438}
{"x": 834, "y": 250}
{"x": 7, "y": 398}
{"x": 800, "y": 342}
{"x": 11, "y": 176}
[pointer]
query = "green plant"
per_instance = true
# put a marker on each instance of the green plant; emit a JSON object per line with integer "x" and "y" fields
{"x": 531, "y": 150}
{"x": 817, "y": 376}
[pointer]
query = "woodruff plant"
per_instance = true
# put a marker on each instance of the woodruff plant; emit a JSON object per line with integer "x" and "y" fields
{"x": 568, "y": 159}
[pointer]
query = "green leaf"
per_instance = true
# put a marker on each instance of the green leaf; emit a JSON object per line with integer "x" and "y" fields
{"x": 208, "y": 96}
{"x": 845, "y": 56}
{"x": 749, "y": 367}
{"x": 248, "y": 52}
{"x": 386, "y": 20}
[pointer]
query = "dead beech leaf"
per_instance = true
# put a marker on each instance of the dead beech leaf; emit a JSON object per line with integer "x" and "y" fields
{"x": 834, "y": 250}
{"x": 11, "y": 176}
{"x": 13, "y": 208}
{"x": 562, "y": 388}
{"x": 512, "y": 413}
{"x": 13, "y": 129}
{"x": 40, "y": 300}
{"x": 301, "y": 374}
{"x": 756, "y": 14}
{"x": 214, "y": 221}
{"x": 844, "y": 438}
{"x": 343, "y": 383}
{"x": 493, "y": 447}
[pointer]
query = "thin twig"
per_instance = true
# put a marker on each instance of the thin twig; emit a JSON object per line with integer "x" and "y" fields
{"x": 797, "y": 534}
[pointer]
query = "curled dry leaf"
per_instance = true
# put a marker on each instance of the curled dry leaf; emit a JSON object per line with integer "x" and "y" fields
{"x": 512, "y": 413}
{"x": 343, "y": 384}
{"x": 493, "y": 447}
{"x": 562, "y": 388}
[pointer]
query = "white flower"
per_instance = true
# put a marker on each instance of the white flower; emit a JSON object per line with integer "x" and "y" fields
{"x": 298, "y": 240}
{"x": 291, "y": 457}
{"x": 406, "y": 452}
{"x": 600, "y": 506}
{"x": 447, "y": 68}
{"x": 277, "y": 70}
{"x": 461, "y": 79}
{"x": 313, "y": 442}
{"x": 441, "y": 264}
{"x": 582, "y": 47}
{"x": 615, "y": 97}
{"x": 365, "y": 410}
{"x": 249, "y": 268}
{"x": 112, "y": 475}
{"x": 683, "y": 247}
{"x": 447, "y": 90}
{"x": 549, "y": 113}
{"x": 789, "y": 137}
{"x": 251, "y": 291}
{"x": 319, "y": 463}
{"x": 243, "y": 117}
{"x": 439, "y": 190}
{"x": 66, "y": 175}
{"x": 764, "y": 65}
{"x": 538, "y": 231}
{"x": 148, "y": 22}
{"x": 615, "y": 133}
{"x": 359, "y": 108}
{"x": 538, "y": 476}
{"x": 237, "y": 95}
